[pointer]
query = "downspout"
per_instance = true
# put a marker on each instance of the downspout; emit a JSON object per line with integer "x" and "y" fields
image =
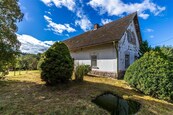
{"x": 115, "y": 44}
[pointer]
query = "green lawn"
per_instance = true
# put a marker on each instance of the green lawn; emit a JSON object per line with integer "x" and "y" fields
{"x": 27, "y": 94}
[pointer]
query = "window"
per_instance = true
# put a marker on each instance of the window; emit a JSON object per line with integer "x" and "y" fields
{"x": 127, "y": 61}
{"x": 93, "y": 61}
{"x": 131, "y": 37}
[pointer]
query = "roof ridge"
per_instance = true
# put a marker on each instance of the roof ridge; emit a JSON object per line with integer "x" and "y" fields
{"x": 112, "y": 31}
{"x": 134, "y": 14}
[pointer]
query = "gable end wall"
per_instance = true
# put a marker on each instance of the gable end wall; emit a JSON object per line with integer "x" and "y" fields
{"x": 124, "y": 47}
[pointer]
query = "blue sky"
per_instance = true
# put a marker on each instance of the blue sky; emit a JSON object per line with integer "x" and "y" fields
{"x": 47, "y": 21}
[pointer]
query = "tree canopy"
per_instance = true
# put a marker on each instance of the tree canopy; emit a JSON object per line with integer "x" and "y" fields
{"x": 144, "y": 47}
{"x": 27, "y": 62}
{"x": 10, "y": 14}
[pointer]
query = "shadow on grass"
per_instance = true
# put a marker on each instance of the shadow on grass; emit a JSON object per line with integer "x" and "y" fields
{"x": 30, "y": 97}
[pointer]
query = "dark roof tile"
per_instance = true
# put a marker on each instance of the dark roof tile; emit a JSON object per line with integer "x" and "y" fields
{"x": 112, "y": 31}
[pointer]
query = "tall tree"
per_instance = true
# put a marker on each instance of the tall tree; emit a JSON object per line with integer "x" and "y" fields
{"x": 10, "y": 14}
{"x": 144, "y": 48}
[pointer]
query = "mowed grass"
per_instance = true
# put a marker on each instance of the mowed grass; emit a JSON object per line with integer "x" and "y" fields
{"x": 27, "y": 94}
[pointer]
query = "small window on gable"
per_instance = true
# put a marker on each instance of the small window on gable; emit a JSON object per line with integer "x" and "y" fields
{"x": 131, "y": 37}
{"x": 127, "y": 61}
{"x": 93, "y": 61}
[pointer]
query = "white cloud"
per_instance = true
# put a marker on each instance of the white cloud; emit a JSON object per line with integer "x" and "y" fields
{"x": 47, "y": 12}
{"x": 118, "y": 7}
{"x": 151, "y": 36}
{"x": 32, "y": 45}
{"x": 150, "y": 30}
{"x": 58, "y": 28}
{"x": 70, "y": 4}
{"x": 49, "y": 42}
{"x": 27, "y": 17}
{"x": 144, "y": 16}
{"x": 83, "y": 21}
{"x": 105, "y": 21}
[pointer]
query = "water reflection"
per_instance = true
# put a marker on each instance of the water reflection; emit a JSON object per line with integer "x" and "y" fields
{"x": 117, "y": 105}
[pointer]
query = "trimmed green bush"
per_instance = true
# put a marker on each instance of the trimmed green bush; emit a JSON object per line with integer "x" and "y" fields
{"x": 153, "y": 75}
{"x": 80, "y": 71}
{"x": 87, "y": 69}
{"x": 57, "y": 65}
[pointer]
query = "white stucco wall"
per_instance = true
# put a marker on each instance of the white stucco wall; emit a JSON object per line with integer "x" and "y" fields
{"x": 106, "y": 54}
{"x": 124, "y": 47}
{"x": 106, "y": 57}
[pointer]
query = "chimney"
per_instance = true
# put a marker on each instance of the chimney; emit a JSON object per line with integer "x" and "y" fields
{"x": 96, "y": 26}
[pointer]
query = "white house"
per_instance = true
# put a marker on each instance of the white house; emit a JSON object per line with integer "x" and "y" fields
{"x": 109, "y": 49}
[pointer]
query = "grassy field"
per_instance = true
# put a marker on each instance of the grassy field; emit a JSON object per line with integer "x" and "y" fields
{"x": 27, "y": 94}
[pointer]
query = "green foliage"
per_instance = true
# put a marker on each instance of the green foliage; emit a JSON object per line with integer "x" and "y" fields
{"x": 3, "y": 71}
{"x": 166, "y": 51}
{"x": 144, "y": 47}
{"x": 152, "y": 74}
{"x": 32, "y": 61}
{"x": 87, "y": 69}
{"x": 27, "y": 61}
{"x": 57, "y": 65}
{"x": 42, "y": 56}
{"x": 80, "y": 71}
{"x": 10, "y": 14}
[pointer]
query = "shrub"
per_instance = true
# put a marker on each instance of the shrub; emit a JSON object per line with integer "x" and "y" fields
{"x": 57, "y": 65}
{"x": 167, "y": 52}
{"x": 152, "y": 74}
{"x": 87, "y": 69}
{"x": 80, "y": 71}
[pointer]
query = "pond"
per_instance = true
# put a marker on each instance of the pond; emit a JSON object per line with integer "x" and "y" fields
{"x": 117, "y": 105}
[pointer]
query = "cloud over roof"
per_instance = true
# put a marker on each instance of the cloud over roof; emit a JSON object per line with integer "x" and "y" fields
{"x": 118, "y": 7}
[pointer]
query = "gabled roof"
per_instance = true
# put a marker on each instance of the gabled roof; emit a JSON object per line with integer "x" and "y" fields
{"x": 112, "y": 31}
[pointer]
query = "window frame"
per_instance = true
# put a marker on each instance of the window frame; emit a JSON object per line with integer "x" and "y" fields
{"x": 94, "y": 59}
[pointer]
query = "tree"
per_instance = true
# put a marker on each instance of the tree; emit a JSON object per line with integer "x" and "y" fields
{"x": 27, "y": 61}
{"x": 10, "y": 14}
{"x": 19, "y": 64}
{"x": 57, "y": 65}
{"x": 144, "y": 47}
{"x": 41, "y": 60}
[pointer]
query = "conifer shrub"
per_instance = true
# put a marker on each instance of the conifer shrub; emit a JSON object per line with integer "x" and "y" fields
{"x": 152, "y": 74}
{"x": 81, "y": 71}
{"x": 57, "y": 64}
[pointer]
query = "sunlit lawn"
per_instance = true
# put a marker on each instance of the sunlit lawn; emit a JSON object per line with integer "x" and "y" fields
{"x": 27, "y": 94}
